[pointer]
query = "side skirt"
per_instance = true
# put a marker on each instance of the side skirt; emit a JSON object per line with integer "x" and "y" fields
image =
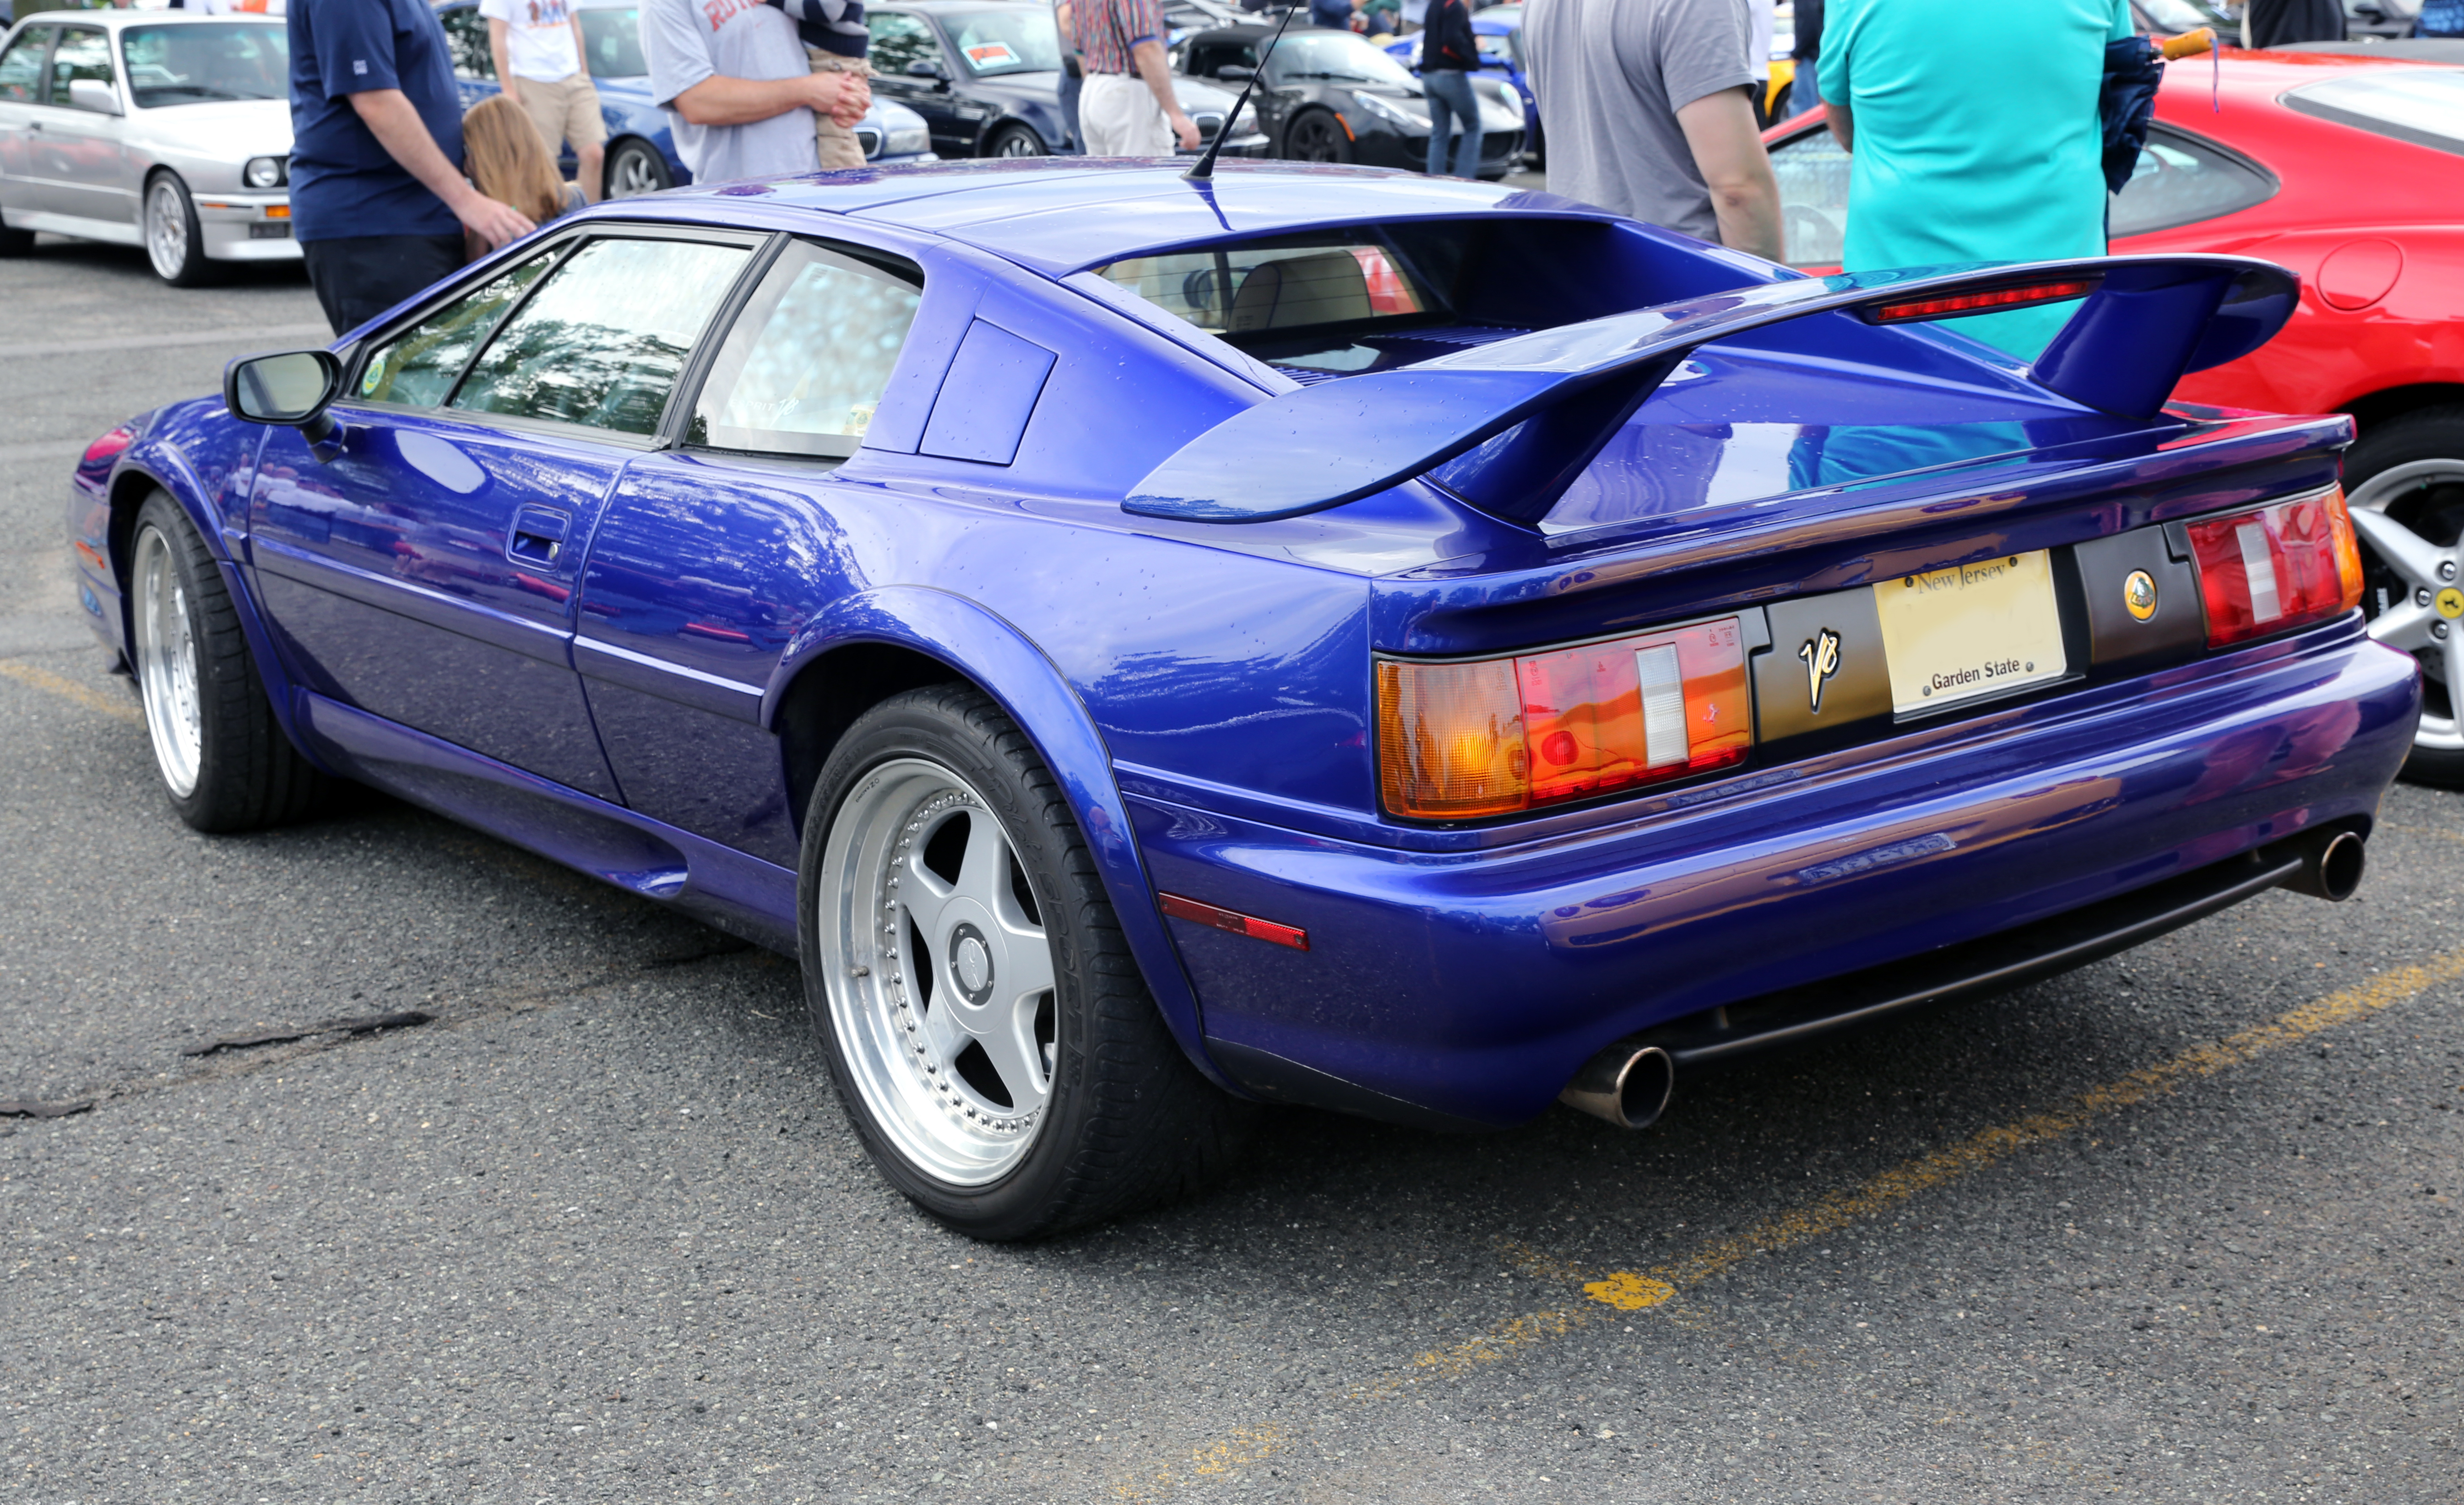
{"x": 743, "y": 895}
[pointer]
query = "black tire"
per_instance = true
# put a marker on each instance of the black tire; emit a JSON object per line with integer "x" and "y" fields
{"x": 245, "y": 775}
{"x": 1128, "y": 1120}
{"x": 633, "y": 167}
{"x": 175, "y": 245}
{"x": 1535, "y": 144}
{"x": 15, "y": 242}
{"x": 1316, "y": 136}
{"x": 2425, "y": 449}
{"x": 1015, "y": 140}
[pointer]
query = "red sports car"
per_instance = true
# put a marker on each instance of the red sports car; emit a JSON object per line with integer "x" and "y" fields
{"x": 2350, "y": 171}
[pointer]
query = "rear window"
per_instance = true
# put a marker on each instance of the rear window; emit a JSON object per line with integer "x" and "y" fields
{"x": 1252, "y": 290}
{"x": 2421, "y": 105}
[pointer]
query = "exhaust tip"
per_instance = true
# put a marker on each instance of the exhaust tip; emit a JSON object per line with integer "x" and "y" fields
{"x": 2333, "y": 869}
{"x": 1626, "y": 1084}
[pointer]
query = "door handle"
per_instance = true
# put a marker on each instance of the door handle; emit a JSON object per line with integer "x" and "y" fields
{"x": 537, "y": 536}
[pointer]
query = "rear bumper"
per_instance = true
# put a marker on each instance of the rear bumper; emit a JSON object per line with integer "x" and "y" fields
{"x": 1470, "y": 988}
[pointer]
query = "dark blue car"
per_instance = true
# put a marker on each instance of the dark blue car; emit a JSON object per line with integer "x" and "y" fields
{"x": 1152, "y": 646}
{"x": 641, "y": 150}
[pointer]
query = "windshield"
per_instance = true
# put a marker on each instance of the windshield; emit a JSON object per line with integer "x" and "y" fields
{"x": 1014, "y": 39}
{"x": 612, "y": 40}
{"x": 2421, "y": 105}
{"x": 213, "y": 60}
{"x": 1338, "y": 56}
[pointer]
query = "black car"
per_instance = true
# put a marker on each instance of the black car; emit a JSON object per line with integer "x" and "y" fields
{"x": 1331, "y": 95}
{"x": 986, "y": 76}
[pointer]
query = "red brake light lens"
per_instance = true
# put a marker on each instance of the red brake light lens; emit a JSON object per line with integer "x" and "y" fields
{"x": 1985, "y": 302}
{"x": 1461, "y": 740}
{"x": 2277, "y": 567}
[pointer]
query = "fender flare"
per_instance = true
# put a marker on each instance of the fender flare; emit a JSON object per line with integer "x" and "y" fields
{"x": 1002, "y": 662}
{"x": 167, "y": 466}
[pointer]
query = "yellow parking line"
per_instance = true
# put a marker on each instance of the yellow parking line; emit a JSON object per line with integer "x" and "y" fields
{"x": 1611, "y": 1293}
{"x": 69, "y": 689}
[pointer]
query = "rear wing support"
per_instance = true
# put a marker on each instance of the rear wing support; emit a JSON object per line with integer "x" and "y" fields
{"x": 1520, "y": 418}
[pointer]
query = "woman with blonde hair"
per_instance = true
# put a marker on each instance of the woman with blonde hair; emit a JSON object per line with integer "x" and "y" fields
{"x": 504, "y": 159}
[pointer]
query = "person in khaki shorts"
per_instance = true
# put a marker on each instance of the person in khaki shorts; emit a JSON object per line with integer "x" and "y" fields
{"x": 537, "y": 47}
{"x": 835, "y": 41}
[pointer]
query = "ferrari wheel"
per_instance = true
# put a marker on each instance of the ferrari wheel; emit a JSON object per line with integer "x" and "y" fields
{"x": 1318, "y": 136}
{"x": 986, "y": 1027}
{"x": 224, "y": 763}
{"x": 2405, "y": 484}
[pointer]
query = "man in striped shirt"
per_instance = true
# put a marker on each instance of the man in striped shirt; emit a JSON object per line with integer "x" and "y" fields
{"x": 1126, "y": 107}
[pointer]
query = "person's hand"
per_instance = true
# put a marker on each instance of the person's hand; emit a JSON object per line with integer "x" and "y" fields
{"x": 1184, "y": 130}
{"x": 855, "y": 100}
{"x": 496, "y": 223}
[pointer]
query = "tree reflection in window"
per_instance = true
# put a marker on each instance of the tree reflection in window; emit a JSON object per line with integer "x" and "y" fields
{"x": 418, "y": 368}
{"x": 808, "y": 358}
{"x": 601, "y": 344}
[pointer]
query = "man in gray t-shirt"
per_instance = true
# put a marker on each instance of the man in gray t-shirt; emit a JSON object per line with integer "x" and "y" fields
{"x": 1648, "y": 110}
{"x": 737, "y": 88}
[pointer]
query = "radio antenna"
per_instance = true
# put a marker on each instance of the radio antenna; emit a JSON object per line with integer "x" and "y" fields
{"x": 1204, "y": 170}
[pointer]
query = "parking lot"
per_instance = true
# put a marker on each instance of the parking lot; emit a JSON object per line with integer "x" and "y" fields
{"x": 2182, "y": 1225}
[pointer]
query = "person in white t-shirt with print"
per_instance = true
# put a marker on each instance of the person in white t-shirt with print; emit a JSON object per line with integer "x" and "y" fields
{"x": 538, "y": 49}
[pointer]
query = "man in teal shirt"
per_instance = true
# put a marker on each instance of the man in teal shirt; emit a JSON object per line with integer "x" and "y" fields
{"x": 1971, "y": 145}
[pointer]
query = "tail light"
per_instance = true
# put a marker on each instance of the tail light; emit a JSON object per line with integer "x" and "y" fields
{"x": 1462, "y": 740}
{"x": 2276, "y": 567}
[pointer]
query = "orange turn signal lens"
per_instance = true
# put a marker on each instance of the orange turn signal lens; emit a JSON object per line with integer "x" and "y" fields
{"x": 1462, "y": 740}
{"x": 1986, "y": 302}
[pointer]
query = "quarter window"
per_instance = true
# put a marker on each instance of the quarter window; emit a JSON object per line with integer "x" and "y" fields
{"x": 82, "y": 53}
{"x": 2182, "y": 180}
{"x": 21, "y": 67}
{"x": 602, "y": 340}
{"x": 808, "y": 358}
{"x": 417, "y": 368}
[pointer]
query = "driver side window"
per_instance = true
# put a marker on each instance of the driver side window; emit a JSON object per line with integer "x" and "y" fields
{"x": 898, "y": 40}
{"x": 82, "y": 53}
{"x": 419, "y": 367}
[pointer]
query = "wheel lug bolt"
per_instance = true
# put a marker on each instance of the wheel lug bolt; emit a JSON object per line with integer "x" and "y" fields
{"x": 2447, "y": 571}
{"x": 2420, "y": 596}
{"x": 2438, "y": 630}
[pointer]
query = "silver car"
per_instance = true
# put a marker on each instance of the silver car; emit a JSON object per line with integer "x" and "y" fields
{"x": 153, "y": 128}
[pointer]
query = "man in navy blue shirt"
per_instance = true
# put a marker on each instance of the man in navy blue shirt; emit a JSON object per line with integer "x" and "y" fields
{"x": 378, "y": 198}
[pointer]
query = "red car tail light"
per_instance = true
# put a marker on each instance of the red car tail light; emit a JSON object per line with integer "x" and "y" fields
{"x": 1459, "y": 740}
{"x": 2022, "y": 297}
{"x": 2283, "y": 565}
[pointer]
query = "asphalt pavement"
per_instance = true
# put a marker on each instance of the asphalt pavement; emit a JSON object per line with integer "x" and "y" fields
{"x": 2179, "y": 1227}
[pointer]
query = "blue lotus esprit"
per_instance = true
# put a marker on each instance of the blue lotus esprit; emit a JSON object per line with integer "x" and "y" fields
{"x": 1319, "y": 634}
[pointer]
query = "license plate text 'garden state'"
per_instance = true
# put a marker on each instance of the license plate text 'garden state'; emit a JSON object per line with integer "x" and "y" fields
{"x": 1973, "y": 629}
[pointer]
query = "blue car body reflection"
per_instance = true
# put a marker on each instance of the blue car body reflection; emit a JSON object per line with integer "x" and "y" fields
{"x": 1134, "y": 506}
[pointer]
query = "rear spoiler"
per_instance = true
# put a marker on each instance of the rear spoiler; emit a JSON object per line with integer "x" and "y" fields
{"x": 1523, "y": 417}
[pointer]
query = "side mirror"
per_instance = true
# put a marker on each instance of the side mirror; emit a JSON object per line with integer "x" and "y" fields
{"x": 925, "y": 68}
{"x": 293, "y": 389}
{"x": 1235, "y": 73}
{"x": 93, "y": 94}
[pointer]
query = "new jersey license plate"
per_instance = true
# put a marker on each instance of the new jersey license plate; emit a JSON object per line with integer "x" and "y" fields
{"x": 1973, "y": 629}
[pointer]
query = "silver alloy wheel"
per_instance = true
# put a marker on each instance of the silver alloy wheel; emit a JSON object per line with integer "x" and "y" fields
{"x": 941, "y": 978}
{"x": 2415, "y": 623}
{"x": 167, "y": 664}
{"x": 166, "y": 229}
{"x": 633, "y": 173}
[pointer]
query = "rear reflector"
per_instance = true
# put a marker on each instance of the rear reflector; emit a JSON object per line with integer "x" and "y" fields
{"x": 2277, "y": 567}
{"x": 1986, "y": 302}
{"x": 1462, "y": 740}
{"x": 1234, "y": 921}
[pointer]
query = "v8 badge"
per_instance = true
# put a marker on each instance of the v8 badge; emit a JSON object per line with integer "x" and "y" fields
{"x": 1822, "y": 655}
